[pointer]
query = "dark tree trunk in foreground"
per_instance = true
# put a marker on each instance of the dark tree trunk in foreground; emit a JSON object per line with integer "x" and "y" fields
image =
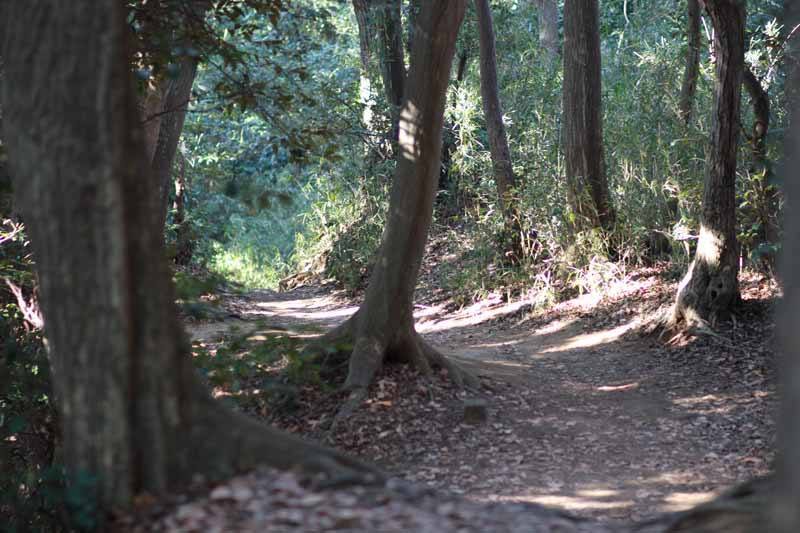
{"x": 548, "y": 27}
{"x": 710, "y": 288}
{"x": 691, "y": 70}
{"x": 383, "y": 328}
{"x": 133, "y": 413}
{"x": 587, "y": 186}
{"x": 504, "y": 178}
{"x": 787, "y": 510}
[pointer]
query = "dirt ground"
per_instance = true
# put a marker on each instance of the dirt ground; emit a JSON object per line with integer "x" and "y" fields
{"x": 585, "y": 414}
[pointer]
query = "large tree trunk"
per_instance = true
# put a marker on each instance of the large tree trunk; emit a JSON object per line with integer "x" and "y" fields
{"x": 504, "y": 178}
{"x": 691, "y": 69}
{"x": 133, "y": 414}
{"x": 587, "y": 186}
{"x": 787, "y": 511}
{"x": 384, "y": 325}
{"x": 710, "y": 287}
{"x": 548, "y": 27}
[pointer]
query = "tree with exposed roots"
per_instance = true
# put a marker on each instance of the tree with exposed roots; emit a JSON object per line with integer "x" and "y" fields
{"x": 383, "y": 327}
{"x": 710, "y": 287}
{"x": 134, "y": 415}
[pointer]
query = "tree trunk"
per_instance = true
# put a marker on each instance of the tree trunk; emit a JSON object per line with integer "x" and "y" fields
{"x": 183, "y": 241}
{"x": 692, "y": 68}
{"x": 383, "y": 327}
{"x": 382, "y": 22}
{"x": 176, "y": 103}
{"x": 760, "y": 101}
{"x": 787, "y": 511}
{"x": 151, "y": 109}
{"x": 504, "y": 178}
{"x": 768, "y": 201}
{"x": 548, "y": 27}
{"x": 709, "y": 289}
{"x": 133, "y": 414}
{"x": 587, "y": 186}
{"x": 414, "y": 9}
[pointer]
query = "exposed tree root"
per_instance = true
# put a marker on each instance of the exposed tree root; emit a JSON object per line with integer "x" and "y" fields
{"x": 370, "y": 351}
{"x": 246, "y": 444}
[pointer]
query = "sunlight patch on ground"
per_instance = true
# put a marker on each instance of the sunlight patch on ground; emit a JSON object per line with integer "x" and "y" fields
{"x": 311, "y": 310}
{"x": 680, "y": 501}
{"x": 568, "y": 503}
{"x": 618, "y": 388}
{"x": 589, "y": 340}
{"x": 468, "y": 316}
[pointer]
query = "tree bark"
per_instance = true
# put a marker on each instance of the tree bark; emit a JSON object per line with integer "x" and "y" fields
{"x": 183, "y": 242}
{"x": 151, "y": 108}
{"x": 760, "y": 100}
{"x": 383, "y": 327}
{"x": 587, "y": 186}
{"x": 504, "y": 178}
{"x": 548, "y": 27}
{"x": 692, "y": 66}
{"x": 383, "y": 22}
{"x": 786, "y": 510}
{"x": 175, "y": 104}
{"x": 133, "y": 414}
{"x": 710, "y": 287}
{"x": 768, "y": 202}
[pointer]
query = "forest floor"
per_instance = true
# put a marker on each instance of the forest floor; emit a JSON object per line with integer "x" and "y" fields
{"x": 585, "y": 414}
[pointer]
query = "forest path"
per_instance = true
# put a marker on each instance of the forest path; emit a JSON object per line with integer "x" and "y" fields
{"x": 580, "y": 417}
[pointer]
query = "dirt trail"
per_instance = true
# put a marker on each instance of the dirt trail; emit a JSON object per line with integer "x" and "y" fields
{"x": 580, "y": 417}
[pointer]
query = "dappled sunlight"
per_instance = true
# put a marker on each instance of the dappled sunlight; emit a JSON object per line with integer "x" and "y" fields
{"x": 589, "y": 340}
{"x": 568, "y": 503}
{"x": 472, "y": 315}
{"x": 680, "y": 501}
{"x": 319, "y": 310}
{"x": 719, "y": 403}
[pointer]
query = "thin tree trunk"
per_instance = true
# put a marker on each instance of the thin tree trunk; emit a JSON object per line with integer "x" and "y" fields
{"x": 383, "y": 22}
{"x": 176, "y": 103}
{"x": 383, "y": 327}
{"x": 768, "y": 204}
{"x": 587, "y": 186}
{"x": 692, "y": 66}
{"x": 504, "y": 178}
{"x": 760, "y": 101}
{"x": 710, "y": 287}
{"x": 414, "y": 9}
{"x": 133, "y": 414}
{"x": 548, "y": 27}
{"x": 183, "y": 241}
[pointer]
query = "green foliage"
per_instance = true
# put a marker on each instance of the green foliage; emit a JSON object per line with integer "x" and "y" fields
{"x": 254, "y": 167}
{"x": 33, "y": 493}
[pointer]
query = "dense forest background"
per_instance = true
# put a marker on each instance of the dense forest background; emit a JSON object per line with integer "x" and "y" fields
{"x": 583, "y": 143}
